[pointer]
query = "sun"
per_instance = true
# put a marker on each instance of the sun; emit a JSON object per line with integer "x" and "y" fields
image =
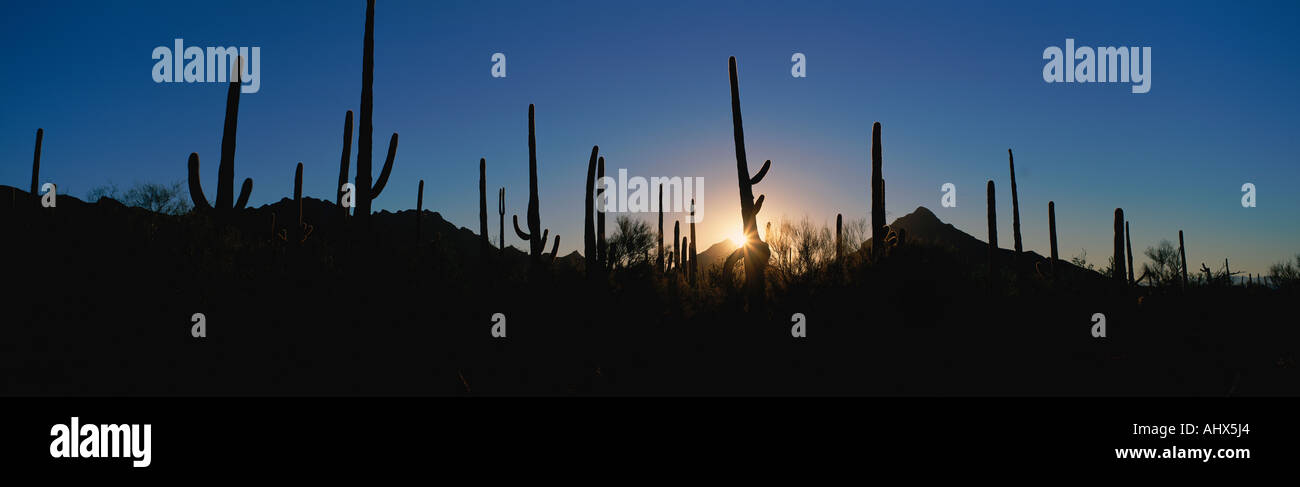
{"x": 739, "y": 238}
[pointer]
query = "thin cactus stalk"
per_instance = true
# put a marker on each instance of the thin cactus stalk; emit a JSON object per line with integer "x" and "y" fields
{"x": 601, "y": 246}
{"x": 344, "y": 161}
{"x": 659, "y": 259}
{"x": 501, "y": 211}
{"x": 36, "y": 162}
{"x": 366, "y": 193}
{"x": 226, "y": 168}
{"x": 1015, "y": 204}
{"x": 1051, "y": 226}
{"x": 297, "y": 191}
{"x": 877, "y": 195}
{"x": 419, "y": 213}
{"x": 485, "y": 245}
{"x": 1182, "y": 256}
{"x": 839, "y": 240}
{"x": 589, "y": 215}
{"x": 756, "y": 250}
{"x": 677, "y": 251}
{"x": 693, "y": 266}
{"x": 1117, "y": 271}
{"x": 685, "y": 262}
{"x": 993, "y": 231}
{"x": 536, "y": 236}
{"x": 1128, "y": 249}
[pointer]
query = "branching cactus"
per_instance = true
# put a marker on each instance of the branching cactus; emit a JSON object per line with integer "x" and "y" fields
{"x": 756, "y": 250}
{"x": 344, "y": 162}
{"x": 366, "y": 193}
{"x": 1015, "y": 204}
{"x": 1051, "y": 227}
{"x": 589, "y": 215}
{"x": 877, "y": 195}
{"x": 1117, "y": 270}
{"x": 535, "y": 235}
{"x": 993, "y": 232}
{"x": 225, "y": 204}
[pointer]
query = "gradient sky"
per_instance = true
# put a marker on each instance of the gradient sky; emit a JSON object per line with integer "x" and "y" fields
{"x": 954, "y": 86}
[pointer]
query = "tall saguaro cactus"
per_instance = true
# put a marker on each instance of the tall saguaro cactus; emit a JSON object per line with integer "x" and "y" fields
{"x": 693, "y": 266}
{"x": 344, "y": 161}
{"x": 1015, "y": 204}
{"x": 839, "y": 241}
{"x": 225, "y": 203}
{"x": 1128, "y": 249}
{"x": 1051, "y": 225}
{"x": 501, "y": 211}
{"x": 993, "y": 231}
{"x": 1117, "y": 269}
{"x": 535, "y": 235}
{"x": 589, "y": 215}
{"x": 485, "y": 241}
{"x": 36, "y": 162}
{"x": 756, "y": 250}
{"x": 1182, "y": 256}
{"x": 366, "y": 193}
{"x": 659, "y": 260}
{"x": 877, "y": 195}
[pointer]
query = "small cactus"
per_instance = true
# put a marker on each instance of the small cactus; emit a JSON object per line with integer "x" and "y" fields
{"x": 1182, "y": 256}
{"x": 1015, "y": 204}
{"x": 677, "y": 251}
{"x": 693, "y": 266}
{"x": 501, "y": 211}
{"x": 877, "y": 195}
{"x": 36, "y": 162}
{"x": 1051, "y": 227}
{"x": 1117, "y": 270}
{"x": 601, "y": 246}
{"x": 993, "y": 231}
{"x": 303, "y": 230}
{"x": 344, "y": 162}
{"x": 419, "y": 213}
{"x": 659, "y": 260}
{"x": 839, "y": 241}
{"x": 485, "y": 245}
{"x": 589, "y": 215}
{"x": 1128, "y": 248}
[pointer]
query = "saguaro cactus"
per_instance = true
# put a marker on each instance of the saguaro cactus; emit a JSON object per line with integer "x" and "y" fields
{"x": 1051, "y": 226}
{"x": 839, "y": 241}
{"x": 485, "y": 241}
{"x": 685, "y": 262}
{"x": 1117, "y": 270}
{"x": 1015, "y": 204}
{"x": 535, "y": 235}
{"x": 1182, "y": 256}
{"x": 659, "y": 260}
{"x": 297, "y": 191}
{"x": 877, "y": 195}
{"x": 677, "y": 251}
{"x": 589, "y": 216}
{"x": 419, "y": 212}
{"x": 344, "y": 161}
{"x": 1128, "y": 250}
{"x": 601, "y": 246}
{"x": 36, "y": 162}
{"x": 501, "y": 210}
{"x": 756, "y": 250}
{"x": 993, "y": 231}
{"x": 693, "y": 266}
{"x": 226, "y": 168}
{"x": 365, "y": 192}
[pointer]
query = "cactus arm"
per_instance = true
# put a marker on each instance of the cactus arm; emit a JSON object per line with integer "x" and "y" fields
{"x": 344, "y": 161}
{"x": 555, "y": 249}
{"x": 196, "y": 186}
{"x": 36, "y": 162}
{"x": 758, "y": 204}
{"x": 244, "y": 191}
{"x": 546, "y": 235}
{"x": 388, "y": 168}
{"x": 520, "y": 232}
{"x": 761, "y": 172}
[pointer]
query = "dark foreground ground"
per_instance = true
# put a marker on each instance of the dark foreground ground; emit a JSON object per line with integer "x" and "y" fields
{"x": 98, "y": 301}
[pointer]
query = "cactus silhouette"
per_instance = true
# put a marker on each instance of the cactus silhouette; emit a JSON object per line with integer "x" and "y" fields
{"x": 225, "y": 203}
{"x": 1117, "y": 271}
{"x": 677, "y": 251}
{"x": 839, "y": 241}
{"x": 659, "y": 260}
{"x": 1182, "y": 256}
{"x": 756, "y": 250}
{"x": 589, "y": 215}
{"x": 365, "y": 192}
{"x": 693, "y": 266}
{"x": 877, "y": 195}
{"x": 344, "y": 161}
{"x": 1128, "y": 249}
{"x": 684, "y": 262}
{"x": 535, "y": 235}
{"x": 419, "y": 212}
{"x": 302, "y": 230}
{"x": 36, "y": 162}
{"x": 993, "y": 231}
{"x": 1051, "y": 227}
{"x": 501, "y": 211}
{"x": 485, "y": 242}
{"x": 1015, "y": 204}
{"x": 601, "y": 246}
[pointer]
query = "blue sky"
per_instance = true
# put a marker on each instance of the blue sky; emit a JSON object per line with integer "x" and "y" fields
{"x": 954, "y": 85}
